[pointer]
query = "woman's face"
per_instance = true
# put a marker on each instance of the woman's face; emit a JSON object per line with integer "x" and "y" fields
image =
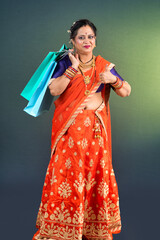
{"x": 84, "y": 41}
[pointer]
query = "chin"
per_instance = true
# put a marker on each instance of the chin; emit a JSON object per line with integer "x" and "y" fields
{"x": 87, "y": 51}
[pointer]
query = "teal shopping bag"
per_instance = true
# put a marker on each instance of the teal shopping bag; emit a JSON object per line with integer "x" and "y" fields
{"x": 37, "y": 77}
{"x": 41, "y": 99}
{"x": 36, "y": 90}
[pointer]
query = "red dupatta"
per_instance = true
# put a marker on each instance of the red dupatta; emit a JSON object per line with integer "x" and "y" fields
{"x": 73, "y": 100}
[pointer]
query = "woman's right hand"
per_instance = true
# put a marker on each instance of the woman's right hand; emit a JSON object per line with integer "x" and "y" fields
{"x": 74, "y": 60}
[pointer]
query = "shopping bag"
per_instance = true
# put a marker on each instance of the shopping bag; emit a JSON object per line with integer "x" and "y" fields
{"x": 41, "y": 100}
{"x": 36, "y": 91}
{"x": 37, "y": 77}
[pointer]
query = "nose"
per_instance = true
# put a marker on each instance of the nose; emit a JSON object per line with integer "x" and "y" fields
{"x": 86, "y": 40}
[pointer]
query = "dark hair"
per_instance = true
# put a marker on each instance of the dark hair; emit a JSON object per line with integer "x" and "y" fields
{"x": 80, "y": 23}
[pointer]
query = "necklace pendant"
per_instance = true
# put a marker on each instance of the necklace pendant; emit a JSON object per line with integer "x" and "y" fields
{"x": 87, "y": 92}
{"x": 93, "y": 64}
{"x": 87, "y": 79}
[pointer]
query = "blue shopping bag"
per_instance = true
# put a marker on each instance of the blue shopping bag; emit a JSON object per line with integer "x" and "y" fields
{"x": 37, "y": 77}
{"x": 41, "y": 99}
{"x": 36, "y": 90}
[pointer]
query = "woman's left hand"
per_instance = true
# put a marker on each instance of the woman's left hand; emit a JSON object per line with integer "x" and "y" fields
{"x": 107, "y": 76}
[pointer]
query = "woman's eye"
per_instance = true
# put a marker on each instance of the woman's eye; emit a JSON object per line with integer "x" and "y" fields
{"x": 91, "y": 37}
{"x": 81, "y": 38}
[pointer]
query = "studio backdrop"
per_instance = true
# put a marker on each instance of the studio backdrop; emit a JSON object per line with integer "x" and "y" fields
{"x": 128, "y": 36}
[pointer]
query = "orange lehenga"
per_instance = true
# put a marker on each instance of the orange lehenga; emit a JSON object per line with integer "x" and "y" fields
{"x": 80, "y": 193}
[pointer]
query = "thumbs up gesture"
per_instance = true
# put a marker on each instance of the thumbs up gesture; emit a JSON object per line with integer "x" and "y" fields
{"x": 107, "y": 76}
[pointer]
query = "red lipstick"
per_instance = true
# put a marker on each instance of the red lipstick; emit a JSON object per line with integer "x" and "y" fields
{"x": 87, "y": 46}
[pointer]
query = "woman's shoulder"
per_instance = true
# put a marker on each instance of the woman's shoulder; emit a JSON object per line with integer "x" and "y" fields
{"x": 101, "y": 61}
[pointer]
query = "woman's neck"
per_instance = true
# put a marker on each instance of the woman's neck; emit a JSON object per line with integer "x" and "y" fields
{"x": 85, "y": 58}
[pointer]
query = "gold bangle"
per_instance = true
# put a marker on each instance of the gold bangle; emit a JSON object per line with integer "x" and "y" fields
{"x": 118, "y": 84}
{"x": 70, "y": 72}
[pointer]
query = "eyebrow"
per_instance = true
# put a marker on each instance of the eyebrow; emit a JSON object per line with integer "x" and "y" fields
{"x": 86, "y": 34}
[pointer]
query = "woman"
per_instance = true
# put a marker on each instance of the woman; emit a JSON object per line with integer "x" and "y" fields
{"x": 80, "y": 194}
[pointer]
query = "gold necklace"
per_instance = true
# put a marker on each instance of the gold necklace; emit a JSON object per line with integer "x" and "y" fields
{"x": 87, "y": 78}
{"x": 87, "y": 92}
{"x": 90, "y": 63}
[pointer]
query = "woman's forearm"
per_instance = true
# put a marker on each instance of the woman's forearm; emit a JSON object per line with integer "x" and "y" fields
{"x": 58, "y": 85}
{"x": 124, "y": 91}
